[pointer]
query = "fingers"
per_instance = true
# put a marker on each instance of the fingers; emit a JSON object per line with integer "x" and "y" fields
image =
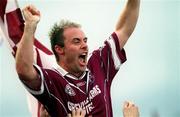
{"x": 33, "y": 10}
{"x": 130, "y": 109}
{"x": 31, "y": 14}
{"x": 78, "y": 113}
{"x": 73, "y": 112}
{"x": 26, "y": 12}
{"x": 83, "y": 112}
{"x": 128, "y": 104}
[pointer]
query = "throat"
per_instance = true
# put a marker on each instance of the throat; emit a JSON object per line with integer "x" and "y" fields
{"x": 77, "y": 75}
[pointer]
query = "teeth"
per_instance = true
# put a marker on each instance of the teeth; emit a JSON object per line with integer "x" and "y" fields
{"x": 83, "y": 57}
{"x": 84, "y": 54}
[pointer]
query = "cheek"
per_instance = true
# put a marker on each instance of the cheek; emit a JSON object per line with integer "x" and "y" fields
{"x": 71, "y": 56}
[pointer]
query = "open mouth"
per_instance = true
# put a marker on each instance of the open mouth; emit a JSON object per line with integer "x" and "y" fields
{"x": 83, "y": 58}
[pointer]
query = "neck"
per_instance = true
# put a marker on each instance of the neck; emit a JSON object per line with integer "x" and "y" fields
{"x": 77, "y": 75}
{"x": 70, "y": 71}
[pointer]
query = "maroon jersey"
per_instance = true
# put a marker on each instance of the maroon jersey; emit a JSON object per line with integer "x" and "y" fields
{"x": 62, "y": 92}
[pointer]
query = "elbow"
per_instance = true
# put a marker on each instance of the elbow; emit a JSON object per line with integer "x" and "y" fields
{"x": 20, "y": 71}
{"x": 19, "y": 68}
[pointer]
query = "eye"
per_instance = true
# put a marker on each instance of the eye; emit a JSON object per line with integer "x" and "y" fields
{"x": 76, "y": 40}
{"x": 85, "y": 39}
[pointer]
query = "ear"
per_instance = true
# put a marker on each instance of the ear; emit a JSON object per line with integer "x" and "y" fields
{"x": 59, "y": 49}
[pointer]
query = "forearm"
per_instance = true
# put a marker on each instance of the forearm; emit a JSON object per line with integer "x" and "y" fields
{"x": 129, "y": 16}
{"x": 127, "y": 21}
{"x": 24, "y": 55}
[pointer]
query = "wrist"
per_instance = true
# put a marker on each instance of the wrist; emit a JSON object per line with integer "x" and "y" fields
{"x": 30, "y": 27}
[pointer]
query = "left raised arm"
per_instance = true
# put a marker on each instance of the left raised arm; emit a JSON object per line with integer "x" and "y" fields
{"x": 127, "y": 21}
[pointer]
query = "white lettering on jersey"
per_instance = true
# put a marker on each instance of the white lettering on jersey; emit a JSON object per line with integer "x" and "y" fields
{"x": 86, "y": 104}
{"x": 94, "y": 92}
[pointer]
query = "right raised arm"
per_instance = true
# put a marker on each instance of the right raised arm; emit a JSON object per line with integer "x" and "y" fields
{"x": 24, "y": 55}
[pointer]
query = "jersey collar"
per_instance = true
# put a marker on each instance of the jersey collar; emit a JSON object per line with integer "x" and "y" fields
{"x": 65, "y": 73}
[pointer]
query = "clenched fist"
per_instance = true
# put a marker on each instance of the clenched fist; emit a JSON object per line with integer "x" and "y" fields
{"x": 31, "y": 15}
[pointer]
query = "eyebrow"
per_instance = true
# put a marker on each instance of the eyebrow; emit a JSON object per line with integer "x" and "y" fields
{"x": 79, "y": 38}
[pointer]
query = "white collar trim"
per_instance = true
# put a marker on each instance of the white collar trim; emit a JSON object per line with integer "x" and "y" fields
{"x": 65, "y": 73}
{"x": 61, "y": 70}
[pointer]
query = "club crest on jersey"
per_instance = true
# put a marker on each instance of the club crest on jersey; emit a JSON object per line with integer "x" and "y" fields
{"x": 69, "y": 90}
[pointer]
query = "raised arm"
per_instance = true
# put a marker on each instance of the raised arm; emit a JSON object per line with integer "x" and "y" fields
{"x": 127, "y": 21}
{"x": 24, "y": 55}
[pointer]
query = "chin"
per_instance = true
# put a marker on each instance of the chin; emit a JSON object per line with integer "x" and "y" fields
{"x": 83, "y": 69}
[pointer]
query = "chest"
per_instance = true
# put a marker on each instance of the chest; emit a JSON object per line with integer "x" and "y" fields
{"x": 87, "y": 93}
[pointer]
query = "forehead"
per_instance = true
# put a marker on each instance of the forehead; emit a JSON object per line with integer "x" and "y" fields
{"x": 73, "y": 32}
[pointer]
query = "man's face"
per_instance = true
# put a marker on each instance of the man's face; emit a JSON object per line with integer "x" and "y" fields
{"x": 75, "y": 51}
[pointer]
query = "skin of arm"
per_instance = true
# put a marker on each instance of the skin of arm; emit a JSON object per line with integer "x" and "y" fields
{"x": 127, "y": 21}
{"x": 24, "y": 56}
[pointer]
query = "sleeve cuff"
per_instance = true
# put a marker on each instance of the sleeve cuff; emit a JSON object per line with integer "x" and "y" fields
{"x": 121, "y": 52}
{"x": 34, "y": 92}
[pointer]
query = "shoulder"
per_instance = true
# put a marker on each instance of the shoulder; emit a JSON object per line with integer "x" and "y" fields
{"x": 52, "y": 72}
{"x": 47, "y": 72}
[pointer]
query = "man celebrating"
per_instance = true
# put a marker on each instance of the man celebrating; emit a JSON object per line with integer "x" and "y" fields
{"x": 75, "y": 83}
